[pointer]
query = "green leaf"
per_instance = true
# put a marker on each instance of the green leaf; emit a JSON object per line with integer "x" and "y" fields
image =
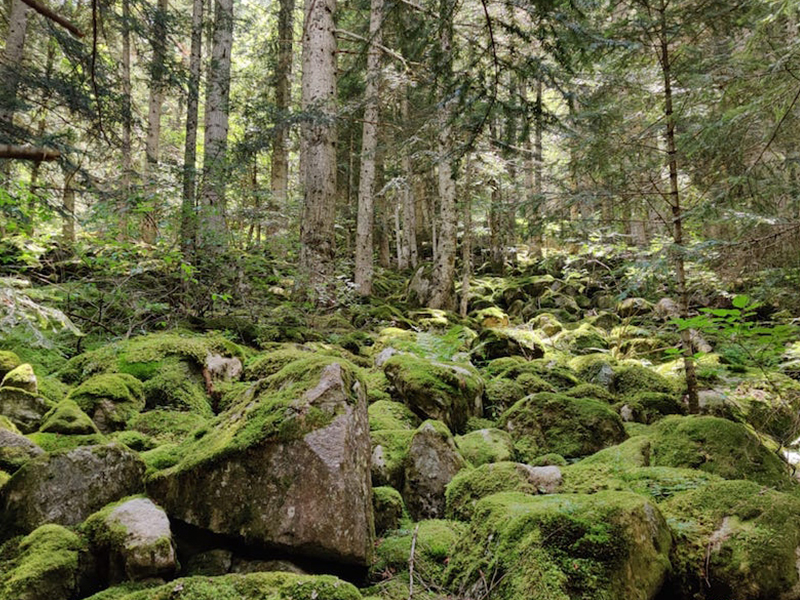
{"x": 740, "y": 301}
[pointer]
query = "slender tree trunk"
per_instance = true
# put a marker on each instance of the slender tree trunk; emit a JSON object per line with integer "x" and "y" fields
{"x": 188, "y": 218}
{"x": 317, "y": 239}
{"x": 279, "y": 182}
{"x": 149, "y": 226}
{"x": 369, "y": 144}
{"x": 444, "y": 267}
{"x": 409, "y": 200}
{"x": 9, "y": 69}
{"x": 123, "y": 203}
{"x": 466, "y": 242}
{"x": 211, "y": 228}
{"x": 677, "y": 214}
{"x": 68, "y": 206}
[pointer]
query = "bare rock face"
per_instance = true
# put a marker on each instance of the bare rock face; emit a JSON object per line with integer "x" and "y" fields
{"x": 15, "y": 449}
{"x": 136, "y": 537}
{"x": 67, "y": 488}
{"x": 286, "y": 467}
{"x": 23, "y": 408}
{"x": 432, "y": 463}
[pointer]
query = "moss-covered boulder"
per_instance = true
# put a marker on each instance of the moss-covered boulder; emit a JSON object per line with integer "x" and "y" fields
{"x": 492, "y": 317}
{"x": 135, "y": 540}
{"x": 585, "y": 339}
{"x": 23, "y": 378}
{"x": 386, "y": 414}
{"x": 484, "y": 446}
{"x": 443, "y": 391}
{"x": 734, "y": 539}
{"x": 612, "y": 545}
{"x": 269, "y": 363}
{"x": 68, "y": 418}
{"x": 388, "y": 458}
{"x": 8, "y": 362}
{"x": 536, "y": 375}
{"x": 498, "y": 343}
{"x": 573, "y": 427}
{"x": 387, "y": 505}
{"x": 633, "y": 379}
{"x": 432, "y": 462}
{"x": 547, "y": 323}
{"x": 471, "y": 485}
{"x": 24, "y": 409}
{"x": 15, "y": 448}
{"x": 236, "y": 586}
{"x": 648, "y": 407}
{"x": 110, "y": 399}
{"x": 288, "y": 463}
{"x": 166, "y": 426}
{"x": 48, "y": 564}
{"x": 597, "y": 369}
{"x": 66, "y": 488}
{"x": 177, "y": 386}
{"x": 433, "y": 540}
{"x": 634, "y": 307}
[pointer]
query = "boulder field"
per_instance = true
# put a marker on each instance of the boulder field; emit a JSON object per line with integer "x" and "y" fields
{"x": 523, "y": 452}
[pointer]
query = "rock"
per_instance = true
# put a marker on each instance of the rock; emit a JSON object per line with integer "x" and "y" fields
{"x": 23, "y": 408}
{"x": 634, "y": 307}
{"x": 135, "y": 537}
{"x": 485, "y": 446}
{"x": 666, "y": 309}
{"x": 48, "y": 566}
{"x": 8, "y": 362}
{"x": 211, "y": 563}
{"x": 648, "y": 407}
{"x": 498, "y": 343}
{"x": 572, "y": 427}
{"x": 611, "y": 545}
{"x": 470, "y": 486}
{"x": 547, "y": 324}
{"x": 387, "y": 505}
{"x": 419, "y": 288}
{"x": 384, "y": 355}
{"x": 492, "y": 317}
{"x": 222, "y": 368}
{"x": 68, "y": 418}
{"x": 286, "y": 466}
{"x": 385, "y": 414}
{"x": 633, "y": 379}
{"x": 594, "y": 368}
{"x": 23, "y": 378}
{"x": 110, "y": 399}
{"x": 586, "y": 339}
{"x": 389, "y": 452}
{"x": 67, "y": 488}
{"x": 734, "y": 539}
{"x": 432, "y": 463}
{"x": 447, "y": 392}
{"x": 15, "y": 448}
{"x": 245, "y": 565}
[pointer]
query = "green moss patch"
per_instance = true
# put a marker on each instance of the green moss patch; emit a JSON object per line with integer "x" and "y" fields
{"x": 632, "y": 379}
{"x": 68, "y": 418}
{"x": 385, "y": 414}
{"x": 166, "y": 426}
{"x": 111, "y": 399}
{"x": 485, "y": 446}
{"x": 8, "y": 362}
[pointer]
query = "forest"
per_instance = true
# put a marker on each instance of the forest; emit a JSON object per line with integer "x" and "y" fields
{"x": 399, "y": 299}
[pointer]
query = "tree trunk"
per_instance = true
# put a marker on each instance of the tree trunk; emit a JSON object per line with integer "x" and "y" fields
{"x": 466, "y": 242}
{"x": 408, "y": 196}
{"x": 317, "y": 239}
{"x": 149, "y": 226}
{"x": 68, "y": 207}
{"x": 188, "y": 219}
{"x": 677, "y": 214}
{"x": 444, "y": 266}
{"x": 9, "y": 69}
{"x": 211, "y": 228}
{"x": 369, "y": 144}
{"x": 279, "y": 182}
{"x": 123, "y": 204}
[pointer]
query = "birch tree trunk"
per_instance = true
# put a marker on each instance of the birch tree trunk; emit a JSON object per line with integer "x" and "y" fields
{"x": 677, "y": 213}
{"x": 444, "y": 266}
{"x": 279, "y": 176}
{"x": 149, "y": 226}
{"x": 466, "y": 244}
{"x": 369, "y": 142}
{"x": 188, "y": 219}
{"x": 9, "y": 68}
{"x": 211, "y": 228}
{"x": 127, "y": 121}
{"x": 317, "y": 240}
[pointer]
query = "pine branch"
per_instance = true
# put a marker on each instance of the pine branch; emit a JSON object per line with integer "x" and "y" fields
{"x": 49, "y": 14}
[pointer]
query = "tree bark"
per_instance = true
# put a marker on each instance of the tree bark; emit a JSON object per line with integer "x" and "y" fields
{"x": 68, "y": 207}
{"x": 188, "y": 215}
{"x": 279, "y": 176}
{"x": 444, "y": 267}
{"x": 369, "y": 143}
{"x": 317, "y": 240}
{"x": 28, "y": 153}
{"x": 409, "y": 201}
{"x": 211, "y": 228}
{"x": 123, "y": 204}
{"x": 677, "y": 214}
{"x": 466, "y": 242}
{"x": 10, "y": 65}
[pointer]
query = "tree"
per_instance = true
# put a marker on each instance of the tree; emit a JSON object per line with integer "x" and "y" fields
{"x": 279, "y": 177}
{"x": 317, "y": 241}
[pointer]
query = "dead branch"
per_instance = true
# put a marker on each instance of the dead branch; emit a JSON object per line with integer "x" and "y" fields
{"x": 49, "y": 14}
{"x": 28, "y": 152}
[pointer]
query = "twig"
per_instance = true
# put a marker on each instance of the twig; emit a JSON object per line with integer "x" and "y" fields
{"x": 411, "y": 564}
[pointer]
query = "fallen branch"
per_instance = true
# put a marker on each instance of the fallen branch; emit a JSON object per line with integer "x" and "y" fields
{"x": 49, "y": 14}
{"x": 28, "y": 152}
{"x": 411, "y": 564}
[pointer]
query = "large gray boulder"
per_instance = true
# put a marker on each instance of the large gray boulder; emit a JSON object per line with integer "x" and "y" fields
{"x": 286, "y": 467}
{"x": 67, "y": 488}
{"x": 23, "y": 408}
{"x": 15, "y": 448}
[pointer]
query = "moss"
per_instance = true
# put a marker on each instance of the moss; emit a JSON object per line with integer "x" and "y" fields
{"x": 6, "y": 423}
{"x": 118, "y": 397}
{"x": 251, "y": 586}
{"x": 594, "y": 368}
{"x": 716, "y": 446}
{"x": 264, "y": 365}
{"x": 166, "y": 426}
{"x": 57, "y": 442}
{"x": 53, "y": 389}
{"x": 162, "y": 457}
{"x": 377, "y": 385}
{"x": 585, "y": 339}
{"x": 394, "y": 445}
{"x": 632, "y": 379}
{"x": 388, "y": 508}
{"x": 471, "y": 485}
{"x": 559, "y": 376}
{"x": 548, "y": 460}
{"x": 590, "y": 390}
{"x": 571, "y": 427}
{"x": 492, "y": 317}
{"x": 654, "y": 405}
{"x": 498, "y": 366}
{"x": 68, "y": 418}
{"x": 4, "y": 477}
{"x": 735, "y": 539}
{"x": 21, "y": 377}
{"x": 563, "y": 547}
{"x": 633, "y": 452}
{"x": 435, "y": 541}
{"x": 8, "y": 362}
{"x": 105, "y": 533}
{"x": 386, "y": 414}
{"x": 500, "y": 395}
{"x": 547, "y": 323}
{"x": 46, "y": 565}
{"x": 485, "y": 446}
{"x": 497, "y": 343}
{"x": 179, "y": 386}
{"x": 770, "y": 405}
{"x": 134, "y": 440}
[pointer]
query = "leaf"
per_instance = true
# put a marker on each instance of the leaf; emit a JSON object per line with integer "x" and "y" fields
{"x": 740, "y": 301}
